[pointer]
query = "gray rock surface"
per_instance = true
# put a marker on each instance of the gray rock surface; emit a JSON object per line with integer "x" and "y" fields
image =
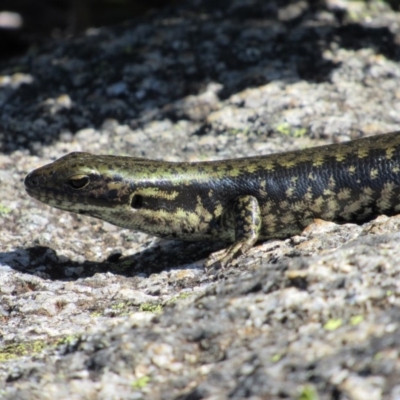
{"x": 92, "y": 311}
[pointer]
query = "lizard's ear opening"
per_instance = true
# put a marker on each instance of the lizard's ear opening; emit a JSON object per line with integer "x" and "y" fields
{"x": 137, "y": 201}
{"x": 78, "y": 182}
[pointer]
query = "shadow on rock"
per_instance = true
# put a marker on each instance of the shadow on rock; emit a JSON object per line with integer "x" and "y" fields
{"x": 46, "y": 263}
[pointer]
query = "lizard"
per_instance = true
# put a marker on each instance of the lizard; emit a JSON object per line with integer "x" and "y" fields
{"x": 238, "y": 201}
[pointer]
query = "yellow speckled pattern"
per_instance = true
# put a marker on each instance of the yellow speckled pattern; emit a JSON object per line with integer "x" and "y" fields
{"x": 239, "y": 200}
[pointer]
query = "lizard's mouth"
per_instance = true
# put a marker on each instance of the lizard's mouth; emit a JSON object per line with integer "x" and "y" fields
{"x": 33, "y": 192}
{"x": 42, "y": 196}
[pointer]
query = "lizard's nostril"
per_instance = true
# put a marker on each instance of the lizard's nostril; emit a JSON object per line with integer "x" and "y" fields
{"x": 32, "y": 180}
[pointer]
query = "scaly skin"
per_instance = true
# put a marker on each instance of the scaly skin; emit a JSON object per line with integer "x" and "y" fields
{"x": 239, "y": 201}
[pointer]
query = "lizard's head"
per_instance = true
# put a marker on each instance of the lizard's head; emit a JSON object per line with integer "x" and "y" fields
{"x": 131, "y": 192}
{"x": 77, "y": 182}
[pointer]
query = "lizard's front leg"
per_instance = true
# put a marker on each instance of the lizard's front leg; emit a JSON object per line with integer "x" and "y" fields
{"x": 247, "y": 217}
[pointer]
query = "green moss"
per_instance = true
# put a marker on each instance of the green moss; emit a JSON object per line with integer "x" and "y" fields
{"x": 119, "y": 306}
{"x": 234, "y": 131}
{"x": 152, "y": 308}
{"x": 308, "y": 393}
{"x": 4, "y": 210}
{"x": 356, "y": 319}
{"x": 16, "y": 350}
{"x": 276, "y": 357}
{"x": 123, "y": 308}
{"x": 68, "y": 340}
{"x": 287, "y": 130}
{"x": 181, "y": 296}
{"x": 141, "y": 382}
{"x": 95, "y": 314}
{"x": 333, "y": 324}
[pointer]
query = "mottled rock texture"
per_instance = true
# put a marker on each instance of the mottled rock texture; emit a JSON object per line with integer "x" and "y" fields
{"x": 91, "y": 311}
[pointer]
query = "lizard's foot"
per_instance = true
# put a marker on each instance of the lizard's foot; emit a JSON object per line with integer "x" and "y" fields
{"x": 220, "y": 259}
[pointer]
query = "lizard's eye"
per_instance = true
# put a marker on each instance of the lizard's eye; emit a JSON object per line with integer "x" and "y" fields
{"x": 78, "y": 181}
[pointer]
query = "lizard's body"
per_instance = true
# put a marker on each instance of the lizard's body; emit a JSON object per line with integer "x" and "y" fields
{"x": 239, "y": 200}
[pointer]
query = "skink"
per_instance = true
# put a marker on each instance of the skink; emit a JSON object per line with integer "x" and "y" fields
{"x": 239, "y": 201}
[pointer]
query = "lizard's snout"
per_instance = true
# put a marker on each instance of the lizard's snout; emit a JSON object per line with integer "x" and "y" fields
{"x": 32, "y": 180}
